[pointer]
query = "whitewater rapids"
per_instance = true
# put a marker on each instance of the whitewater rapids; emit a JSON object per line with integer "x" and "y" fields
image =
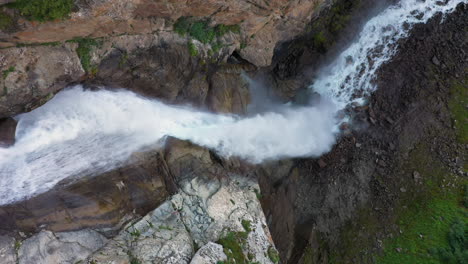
{"x": 83, "y": 132}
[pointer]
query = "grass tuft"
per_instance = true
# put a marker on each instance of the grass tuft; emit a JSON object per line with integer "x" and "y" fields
{"x": 459, "y": 109}
{"x": 43, "y": 10}
{"x": 85, "y": 45}
{"x": 7, "y": 72}
{"x": 5, "y": 20}
{"x": 193, "y": 50}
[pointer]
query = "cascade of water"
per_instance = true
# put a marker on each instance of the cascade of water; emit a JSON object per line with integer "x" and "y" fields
{"x": 82, "y": 132}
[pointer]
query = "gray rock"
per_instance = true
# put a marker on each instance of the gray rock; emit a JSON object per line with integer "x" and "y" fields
{"x": 7, "y": 250}
{"x": 159, "y": 237}
{"x": 70, "y": 247}
{"x": 210, "y": 253}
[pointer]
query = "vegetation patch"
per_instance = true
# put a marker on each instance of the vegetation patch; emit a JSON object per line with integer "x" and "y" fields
{"x": 459, "y": 110}
{"x": 7, "y": 72}
{"x": 85, "y": 46}
{"x": 5, "y": 20}
{"x": 53, "y": 44}
{"x": 458, "y": 240}
{"x": 273, "y": 255}
{"x": 203, "y": 32}
{"x": 233, "y": 244}
{"x": 43, "y": 10}
{"x": 426, "y": 217}
{"x": 193, "y": 50}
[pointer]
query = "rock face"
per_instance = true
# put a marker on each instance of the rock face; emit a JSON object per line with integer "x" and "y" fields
{"x": 133, "y": 45}
{"x": 203, "y": 212}
{"x": 31, "y": 75}
{"x": 210, "y": 253}
{"x": 7, "y": 250}
{"x": 212, "y": 205}
{"x": 219, "y": 214}
{"x": 7, "y": 132}
{"x": 104, "y": 202}
{"x": 270, "y": 23}
{"x": 70, "y": 247}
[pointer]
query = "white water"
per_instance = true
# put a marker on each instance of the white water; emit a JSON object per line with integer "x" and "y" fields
{"x": 82, "y": 132}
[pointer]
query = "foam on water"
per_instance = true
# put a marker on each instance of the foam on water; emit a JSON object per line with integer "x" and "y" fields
{"x": 82, "y": 132}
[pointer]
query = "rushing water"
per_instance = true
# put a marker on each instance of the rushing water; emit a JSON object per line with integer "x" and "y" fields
{"x": 82, "y": 132}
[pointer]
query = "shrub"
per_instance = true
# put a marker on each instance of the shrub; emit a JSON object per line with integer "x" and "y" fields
{"x": 457, "y": 238}
{"x": 84, "y": 52}
{"x": 192, "y": 49}
{"x": 43, "y": 10}
{"x": 273, "y": 255}
{"x": 202, "y": 32}
{"x": 7, "y": 72}
{"x": 182, "y": 26}
{"x": 222, "y": 29}
{"x": 5, "y": 21}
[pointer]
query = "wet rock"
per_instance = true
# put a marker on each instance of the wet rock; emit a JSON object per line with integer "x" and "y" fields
{"x": 7, "y": 132}
{"x": 7, "y": 250}
{"x": 211, "y": 253}
{"x": 229, "y": 93}
{"x": 47, "y": 247}
{"x": 105, "y": 201}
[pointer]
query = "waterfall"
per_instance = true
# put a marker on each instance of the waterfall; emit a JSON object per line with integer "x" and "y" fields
{"x": 82, "y": 132}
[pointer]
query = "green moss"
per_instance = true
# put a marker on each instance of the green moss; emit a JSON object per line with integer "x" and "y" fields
{"x": 258, "y": 194}
{"x": 43, "y": 10}
{"x": 273, "y": 255}
{"x": 233, "y": 244}
{"x": 458, "y": 240}
{"x": 202, "y": 32}
{"x": 17, "y": 245}
{"x": 5, "y": 21}
{"x": 246, "y": 224}
{"x": 216, "y": 46}
{"x": 163, "y": 227}
{"x": 193, "y": 50}
{"x": 135, "y": 233}
{"x": 320, "y": 41}
{"x": 85, "y": 46}
{"x": 123, "y": 60}
{"x": 459, "y": 110}
{"x": 7, "y": 72}
{"x": 222, "y": 29}
{"x": 53, "y": 44}
{"x": 182, "y": 26}
{"x": 425, "y": 216}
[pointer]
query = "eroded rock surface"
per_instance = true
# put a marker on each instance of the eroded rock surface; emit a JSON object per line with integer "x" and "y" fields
{"x": 69, "y": 247}
{"x": 7, "y": 250}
